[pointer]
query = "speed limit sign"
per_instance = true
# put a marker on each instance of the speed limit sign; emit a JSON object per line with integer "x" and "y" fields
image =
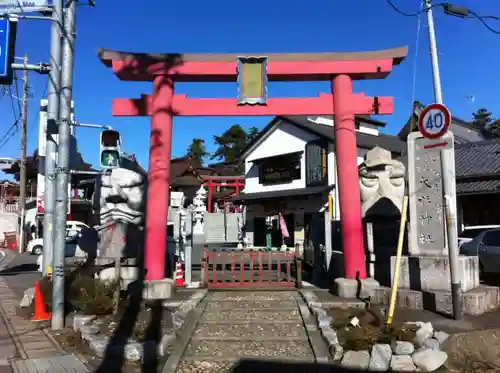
{"x": 434, "y": 121}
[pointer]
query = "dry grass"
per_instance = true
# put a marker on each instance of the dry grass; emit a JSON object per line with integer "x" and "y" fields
{"x": 83, "y": 292}
{"x": 371, "y": 329}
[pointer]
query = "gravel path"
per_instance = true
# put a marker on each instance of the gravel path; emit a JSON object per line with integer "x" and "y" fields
{"x": 247, "y": 325}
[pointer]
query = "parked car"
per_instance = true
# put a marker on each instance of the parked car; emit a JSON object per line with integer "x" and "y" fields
{"x": 486, "y": 246}
{"x": 35, "y": 246}
{"x": 472, "y": 231}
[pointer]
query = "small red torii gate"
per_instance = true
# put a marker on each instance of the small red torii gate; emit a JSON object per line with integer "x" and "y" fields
{"x": 212, "y": 182}
{"x": 338, "y": 68}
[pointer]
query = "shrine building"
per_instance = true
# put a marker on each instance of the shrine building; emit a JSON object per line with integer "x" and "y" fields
{"x": 290, "y": 168}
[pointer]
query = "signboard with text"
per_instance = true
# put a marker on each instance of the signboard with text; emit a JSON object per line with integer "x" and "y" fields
{"x": 24, "y": 6}
{"x": 425, "y": 186}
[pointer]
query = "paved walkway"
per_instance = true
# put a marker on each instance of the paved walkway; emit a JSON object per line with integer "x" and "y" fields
{"x": 26, "y": 345}
{"x": 271, "y": 326}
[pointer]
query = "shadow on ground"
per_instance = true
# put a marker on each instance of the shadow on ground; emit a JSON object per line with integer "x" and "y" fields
{"x": 19, "y": 269}
{"x": 251, "y": 366}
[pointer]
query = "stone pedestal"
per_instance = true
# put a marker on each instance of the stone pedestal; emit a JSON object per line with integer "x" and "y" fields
{"x": 424, "y": 283}
{"x": 474, "y": 302}
{"x": 346, "y": 288}
{"x": 158, "y": 289}
{"x": 432, "y": 273}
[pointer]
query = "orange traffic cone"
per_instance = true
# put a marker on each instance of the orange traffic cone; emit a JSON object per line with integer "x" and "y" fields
{"x": 41, "y": 313}
{"x": 179, "y": 275}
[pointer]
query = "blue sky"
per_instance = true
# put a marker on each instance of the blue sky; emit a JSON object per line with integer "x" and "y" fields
{"x": 468, "y": 58}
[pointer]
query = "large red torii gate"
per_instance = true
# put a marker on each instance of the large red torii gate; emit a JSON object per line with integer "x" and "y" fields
{"x": 338, "y": 68}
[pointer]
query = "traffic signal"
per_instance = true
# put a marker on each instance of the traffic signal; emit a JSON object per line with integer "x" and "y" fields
{"x": 110, "y": 149}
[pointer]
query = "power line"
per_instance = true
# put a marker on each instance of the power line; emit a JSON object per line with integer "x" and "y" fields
{"x": 411, "y": 14}
{"x": 16, "y": 116}
{"x": 415, "y": 60}
{"x": 9, "y": 134}
{"x": 17, "y": 94}
{"x": 37, "y": 116}
{"x": 454, "y": 10}
{"x": 485, "y": 24}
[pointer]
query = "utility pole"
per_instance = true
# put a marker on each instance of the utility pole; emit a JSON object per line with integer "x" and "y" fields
{"x": 448, "y": 174}
{"x": 22, "y": 177}
{"x": 63, "y": 170}
{"x": 54, "y": 88}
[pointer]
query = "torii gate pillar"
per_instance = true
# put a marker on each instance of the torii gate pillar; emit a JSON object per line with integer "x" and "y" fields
{"x": 158, "y": 200}
{"x": 346, "y": 152}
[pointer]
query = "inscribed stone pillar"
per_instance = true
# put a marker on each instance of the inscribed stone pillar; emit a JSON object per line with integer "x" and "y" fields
{"x": 427, "y": 266}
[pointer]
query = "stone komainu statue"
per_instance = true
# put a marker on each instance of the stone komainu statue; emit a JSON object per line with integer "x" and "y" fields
{"x": 119, "y": 214}
{"x": 121, "y": 209}
{"x": 382, "y": 183}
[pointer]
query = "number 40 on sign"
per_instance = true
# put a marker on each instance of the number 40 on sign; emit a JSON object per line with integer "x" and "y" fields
{"x": 434, "y": 121}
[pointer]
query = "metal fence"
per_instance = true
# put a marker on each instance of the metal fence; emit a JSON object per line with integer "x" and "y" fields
{"x": 251, "y": 269}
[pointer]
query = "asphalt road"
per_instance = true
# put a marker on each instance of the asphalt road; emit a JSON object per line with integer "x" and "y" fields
{"x": 21, "y": 273}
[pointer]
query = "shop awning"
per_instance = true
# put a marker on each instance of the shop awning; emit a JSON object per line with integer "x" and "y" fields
{"x": 245, "y": 198}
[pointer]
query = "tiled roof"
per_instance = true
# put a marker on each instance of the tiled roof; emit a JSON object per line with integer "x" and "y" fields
{"x": 475, "y": 159}
{"x": 366, "y": 141}
{"x": 477, "y": 166}
{"x": 389, "y": 142}
{"x": 477, "y": 186}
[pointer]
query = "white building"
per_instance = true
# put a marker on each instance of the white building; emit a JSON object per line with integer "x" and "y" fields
{"x": 291, "y": 169}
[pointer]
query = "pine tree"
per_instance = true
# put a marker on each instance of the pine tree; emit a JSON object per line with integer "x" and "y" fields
{"x": 482, "y": 118}
{"x": 196, "y": 150}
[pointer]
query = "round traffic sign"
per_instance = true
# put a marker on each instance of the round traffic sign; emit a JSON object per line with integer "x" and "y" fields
{"x": 434, "y": 121}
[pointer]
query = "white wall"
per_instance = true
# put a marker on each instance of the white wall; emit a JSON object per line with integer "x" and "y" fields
{"x": 286, "y": 138}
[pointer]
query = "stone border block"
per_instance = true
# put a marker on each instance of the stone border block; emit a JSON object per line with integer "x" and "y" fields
{"x": 424, "y": 352}
{"x": 88, "y": 326}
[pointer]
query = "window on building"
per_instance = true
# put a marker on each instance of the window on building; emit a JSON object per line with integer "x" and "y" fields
{"x": 280, "y": 169}
{"x": 316, "y": 163}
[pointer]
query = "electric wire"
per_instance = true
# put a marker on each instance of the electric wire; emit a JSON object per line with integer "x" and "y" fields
{"x": 37, "y": 117}
{"x": 412, "y": 14}
{"x": 9, "y": 134}
{"x": 415, "y": 63}
{"x": 17, "y": 94}
{"x": 485, "y": 24}
{"x": 12, "y": 130}
{"x": 481, "y": 19}
{"x": 14, "y": 114}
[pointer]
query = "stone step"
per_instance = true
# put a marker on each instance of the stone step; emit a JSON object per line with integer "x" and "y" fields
{"x": 221, "y": 349}
{"x": 247, "y": 338}
{"x": 242, "y": 322}
{"x": 235, "y": 365}
{"x": 189, "y": 358}
{"x": 229, "y": 296}
{"x": 249, "y": 315}
{"x": 248, "y": 309}
{"x": 292, "y": 330}
{"x": 251, "y": 304}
